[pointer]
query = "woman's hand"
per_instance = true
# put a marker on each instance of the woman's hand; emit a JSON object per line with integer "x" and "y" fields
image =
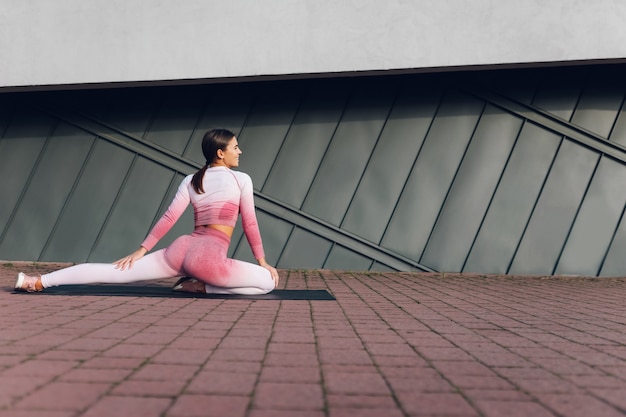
{"x": 273, "y": 271}
{"x": 127, "y": 262}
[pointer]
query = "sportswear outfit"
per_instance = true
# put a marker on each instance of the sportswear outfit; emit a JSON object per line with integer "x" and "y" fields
{"x": 203, "y": 253}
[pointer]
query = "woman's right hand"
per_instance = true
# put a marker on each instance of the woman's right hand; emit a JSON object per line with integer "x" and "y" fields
{"x": 273, "y": 271}
{"x": 127, "y": 262}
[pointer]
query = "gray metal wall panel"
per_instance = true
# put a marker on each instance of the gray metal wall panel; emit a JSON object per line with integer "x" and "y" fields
{"x": 342, "y": 258}
{"x": 521, "y": 89}
{"x": 472, "y": 190}
{"x": 52, "y": 181}
{"x": 20, "y": 148}
{"x": 134, "y": 211}
{"x": 6, "y": 113}
{"x": 133, "y": 113}
{"x": 305, "y": 145}
{"x": 598, "y": 107}
{"x": 348, "y": 154}
{"x": 265, "y": 130}
{"x": 618, "y": 134}
{"x": 514, "y": 200}
{"x": 391, "y": 162}
{"x": 226, "y": 109}
{"x": 275, "y": 232}
{"x": 615, "y": 261}
{"x": 87, "y": 210}
{"x": 428, "y": 184}
{"x": 376, "y": 267}
{"x": 174, "y": 121}
{"x": 555, "y": 211}
{"x": 558, "y": 94}
{"x": 595, "y": 224}
{"x": 83, "y": 101}
{"x": 304, "y": 250}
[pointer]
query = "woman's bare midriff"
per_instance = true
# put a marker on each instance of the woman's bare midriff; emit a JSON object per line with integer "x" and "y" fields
{"x": 228, "y": 230}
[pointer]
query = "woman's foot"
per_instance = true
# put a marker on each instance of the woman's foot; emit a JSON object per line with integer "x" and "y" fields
{"x": 187, "y": 284}
{"x": 27, "y": 283}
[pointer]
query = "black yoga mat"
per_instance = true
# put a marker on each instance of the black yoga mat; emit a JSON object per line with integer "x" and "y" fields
{"x": 166, "y": 292}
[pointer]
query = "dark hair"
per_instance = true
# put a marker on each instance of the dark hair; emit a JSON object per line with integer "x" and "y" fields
{"x": 212, "y": 141}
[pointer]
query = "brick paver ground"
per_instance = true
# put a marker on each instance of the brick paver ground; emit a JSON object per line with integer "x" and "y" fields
{"x": 392, "y": 344}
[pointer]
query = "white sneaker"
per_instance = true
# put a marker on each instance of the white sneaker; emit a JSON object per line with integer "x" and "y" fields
{"x": 26, "y": 283}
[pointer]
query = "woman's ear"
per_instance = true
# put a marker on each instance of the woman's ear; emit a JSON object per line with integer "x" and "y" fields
{"x": 220, "y": 154}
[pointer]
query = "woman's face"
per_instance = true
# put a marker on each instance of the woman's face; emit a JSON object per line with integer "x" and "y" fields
{"x": 230, "y": 155}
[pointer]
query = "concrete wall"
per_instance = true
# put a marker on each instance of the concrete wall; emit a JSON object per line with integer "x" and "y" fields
{"x": 48, "y": 43}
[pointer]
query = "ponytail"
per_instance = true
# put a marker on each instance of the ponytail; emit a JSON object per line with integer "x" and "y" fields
{"x": 196, "y": 180}
{"x": 212, "y": 141}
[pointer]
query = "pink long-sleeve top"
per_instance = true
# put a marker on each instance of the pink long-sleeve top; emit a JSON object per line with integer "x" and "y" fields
{"x": 226, "y": 194}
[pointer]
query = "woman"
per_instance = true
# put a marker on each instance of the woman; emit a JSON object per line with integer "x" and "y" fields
{"x": 218, "y": 194}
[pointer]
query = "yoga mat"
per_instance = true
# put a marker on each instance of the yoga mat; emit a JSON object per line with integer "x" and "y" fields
{"x": 166, "y": 292}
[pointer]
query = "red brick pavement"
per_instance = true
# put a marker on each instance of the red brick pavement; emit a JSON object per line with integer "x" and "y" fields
{"x": 392, "y": 344}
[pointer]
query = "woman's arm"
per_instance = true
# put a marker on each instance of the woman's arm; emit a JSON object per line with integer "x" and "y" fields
{"x": 248, "y": 218}
{"x": 165, "y": 223}
{"x": 171, "y": 215}
{"x": 251, "y": 227}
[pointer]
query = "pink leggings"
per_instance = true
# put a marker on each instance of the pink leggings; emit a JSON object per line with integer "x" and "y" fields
{"x": 202, "y": 255}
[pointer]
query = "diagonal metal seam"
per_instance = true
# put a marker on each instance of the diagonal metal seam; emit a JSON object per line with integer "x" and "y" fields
{"x": 549, "y": 121}
{"x": 264, "y": 202}
{"x": 112, "y": 134}
{"x": 337, "y": 235}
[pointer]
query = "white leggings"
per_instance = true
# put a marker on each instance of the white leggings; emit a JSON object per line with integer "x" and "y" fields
{"x": 220, "y": 274}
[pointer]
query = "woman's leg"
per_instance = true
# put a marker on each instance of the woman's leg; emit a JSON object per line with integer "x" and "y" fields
{"x": 243, "y": 278}
{"x": 204, "y": 257}
{"x": 151, "y": 266}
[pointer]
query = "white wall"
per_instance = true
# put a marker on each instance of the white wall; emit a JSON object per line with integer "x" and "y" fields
{"x": 44, "y": 42}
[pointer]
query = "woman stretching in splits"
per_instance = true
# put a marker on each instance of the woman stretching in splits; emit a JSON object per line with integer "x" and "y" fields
{"x": 218, "y": 195}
